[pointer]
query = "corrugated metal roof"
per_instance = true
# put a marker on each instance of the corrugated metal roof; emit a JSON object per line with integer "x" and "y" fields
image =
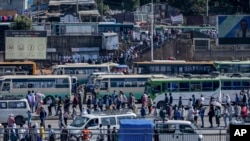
{"x": 89, "y": 12}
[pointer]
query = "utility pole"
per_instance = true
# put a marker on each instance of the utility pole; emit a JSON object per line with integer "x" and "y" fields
{"x": 152, "y": 30}
{"x": 207, "y": 8}
{"x": 77, "y": 10}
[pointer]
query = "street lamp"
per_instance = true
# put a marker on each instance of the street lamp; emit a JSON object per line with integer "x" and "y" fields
{"x": 207, "y": 8}
{"x": 152, "y": 30}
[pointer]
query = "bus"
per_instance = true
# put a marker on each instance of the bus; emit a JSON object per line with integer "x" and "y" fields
{"x": 130, "y": 29}
{"x": 80, "y": 70}
{"x": 106, "y": 84}
{"x": 233, "y": 66}
{"x": 232, "y": 85}
{"x": 18, "y": 68}
{"x": 184, "y": 87}
{"x": 17, "y": 86}
{"x": 173, "y": 67}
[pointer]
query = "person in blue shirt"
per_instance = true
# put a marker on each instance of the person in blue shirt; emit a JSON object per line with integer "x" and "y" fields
{"x": 202, "y": 113}
{"x": 143, "y": 112}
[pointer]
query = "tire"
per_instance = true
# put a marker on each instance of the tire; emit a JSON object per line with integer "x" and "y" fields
{"x": 19, "y": 120}
{"x": 160, "y": 104}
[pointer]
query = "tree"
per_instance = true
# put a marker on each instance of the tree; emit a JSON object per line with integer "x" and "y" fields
{"x": 21, "y": 23}
{"x": 102, "y": 8}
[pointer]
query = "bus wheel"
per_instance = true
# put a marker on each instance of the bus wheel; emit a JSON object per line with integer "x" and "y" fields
{"x": 160, "y": 104}
{"x": 19, "y": 120}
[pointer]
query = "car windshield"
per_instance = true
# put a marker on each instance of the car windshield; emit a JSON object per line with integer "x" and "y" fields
{"x": 79, "y": 121}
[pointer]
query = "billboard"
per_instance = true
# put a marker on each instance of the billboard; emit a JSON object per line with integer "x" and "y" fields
{"x": 21, "y": 45}
{"x": 233, "y": 29}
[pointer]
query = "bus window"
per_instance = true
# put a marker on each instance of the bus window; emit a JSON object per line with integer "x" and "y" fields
{"x": 156, "y": 89}
{"x": 245, "y": 84}
{"x": 236, "y": 85}
{"x": 207, "y": 86}
{"x": 173, "y": 86}
{"x": 216, "y": 85}
{"x": 195, "y": 86}
{"x": 104, "y": 86}
{"x": 6, "y": 87}
{"x": 184, "y": 86}
{"x": 226, "y": 85}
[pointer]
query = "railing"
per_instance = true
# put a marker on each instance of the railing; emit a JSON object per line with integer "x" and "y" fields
{"x": 125, "y": 135}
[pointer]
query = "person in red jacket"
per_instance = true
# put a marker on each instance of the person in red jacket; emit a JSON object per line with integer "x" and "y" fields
{"x": 244, "y": 111}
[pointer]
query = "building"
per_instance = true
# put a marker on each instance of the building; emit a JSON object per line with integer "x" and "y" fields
{"x": 13, "y": 4}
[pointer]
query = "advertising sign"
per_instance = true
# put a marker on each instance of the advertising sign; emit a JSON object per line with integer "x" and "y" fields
{"x": 233, "y": 29}
{"x": 21, "y": 45}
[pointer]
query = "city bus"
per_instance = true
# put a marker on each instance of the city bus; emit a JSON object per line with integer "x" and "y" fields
{"x": 17, "y": 86}
{"x": 233, "y": 66}
{"x": 173, "y": 67}
{"x": 232, "y": 85}
{"x": 184, "y": 87}
{"x": 80, "y": 70}
{"x": 18, "y": 68}
{"x": 106, "y": 84}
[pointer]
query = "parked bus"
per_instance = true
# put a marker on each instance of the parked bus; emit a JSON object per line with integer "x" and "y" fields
{"x": 184, "y": 87}
{"x": 231, "y": 85}
{"x": 80, "y": 70}
{"x": 233, "y": 66}
{"x": 50, "y": 85}
{"x": 106, "y": 84}
{"x": 18, "y": 68}
{"x": 173, "y": 67}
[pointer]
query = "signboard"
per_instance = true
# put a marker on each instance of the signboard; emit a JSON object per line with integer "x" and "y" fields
{"x": 233, "y": 29}
{"x": 21, "y": 45}
{"x": 239, "y": 132}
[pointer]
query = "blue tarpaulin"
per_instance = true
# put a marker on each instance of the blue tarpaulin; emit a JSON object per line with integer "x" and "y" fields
{"x": 136, "y": 130}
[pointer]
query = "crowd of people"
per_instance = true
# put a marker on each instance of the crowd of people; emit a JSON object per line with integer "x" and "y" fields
{"x": 194, "y": 111}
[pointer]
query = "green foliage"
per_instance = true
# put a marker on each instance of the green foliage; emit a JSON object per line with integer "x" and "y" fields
{"x": 131, "y": 5}
{"x": 102, "y": 8}
{"x": 21, "y": 23}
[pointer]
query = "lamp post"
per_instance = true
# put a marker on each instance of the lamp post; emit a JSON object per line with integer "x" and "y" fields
{"x": 207, "y": 8}
{"x": 152, "y": 30}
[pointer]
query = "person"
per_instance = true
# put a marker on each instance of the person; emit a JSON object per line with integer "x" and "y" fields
{"x": 6, "y": 133}
{"x": 225, "y": 115}
{"x": 86, "y": 134}
{"x": 217, "y": 113}
{"x": 211, "y": 115}
{"x": 11, "y": 120}
{"x": 150, "y": 104}
{"x": 65, "y": 117}
{"x": 109, "y": 134}
{"x": 22, "y": 133}
{"x": 43, "y": 116}
{"x": 143, "y": 112}
{"x": 64, "y": 134}
{"x": 101, "y": 135}
{"x": 29, "y": 118}
{"x": 202, "y": 114}
{"x": 244, "y": 31}
{"x": 156, "y": 134}
{"x": 14, "y": 133}
{"x": 114, "y": 134}
{"x": 42, "y": 134}
{"x": 50, "y": 105}
{"x": 51, "y": 134}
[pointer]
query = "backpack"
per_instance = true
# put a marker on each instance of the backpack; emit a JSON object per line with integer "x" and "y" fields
{"x": 178, "y": 114}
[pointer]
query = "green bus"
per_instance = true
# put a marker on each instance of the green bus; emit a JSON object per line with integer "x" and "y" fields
{"x": 235, "y": 66}
{"x": 106, "y": 84}
{"x": 184, "y": 87}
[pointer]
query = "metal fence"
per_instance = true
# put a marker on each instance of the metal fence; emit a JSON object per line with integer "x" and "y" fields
{"x": 143, "y": 135}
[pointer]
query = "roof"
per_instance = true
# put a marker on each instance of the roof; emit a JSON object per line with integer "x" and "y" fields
{"x": 108, "y": 114}
{"x": 136, "y": 122}
{"x": 89, "y": 12}
{"x": 33, "y": 76}
{"x": 132, "y": 76}
{"x": 175, "y": 121}
{"x": 110, "y": 34}
{"x": 174, "y": 62}
{"x": 232, "y": 62}
{"x": 73, "y": 2}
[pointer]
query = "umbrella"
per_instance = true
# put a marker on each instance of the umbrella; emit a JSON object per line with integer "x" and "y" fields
{"x": 40, "y": 94}
{"x": 215, "y": 103}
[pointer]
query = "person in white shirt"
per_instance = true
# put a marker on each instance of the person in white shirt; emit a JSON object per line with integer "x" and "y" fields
{"x": 202, "y": 100}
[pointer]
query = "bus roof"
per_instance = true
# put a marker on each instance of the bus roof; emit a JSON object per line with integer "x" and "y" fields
{"x": 78, "y": 65}
{"x": 17, "y": 62}
{"x": 132, "y": 76}
{"x": 232, "y": 62}
{"x": 181, "y": 79}
{"x": 33, "y": 76}
{"x": 174, "y": 62}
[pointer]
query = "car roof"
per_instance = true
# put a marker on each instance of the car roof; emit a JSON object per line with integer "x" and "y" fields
{"x": 173, "y": 122}
{"x": 108, "y": 115}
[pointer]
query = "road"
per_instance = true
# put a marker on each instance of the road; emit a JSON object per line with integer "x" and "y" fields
{"x": 210, "y": 134}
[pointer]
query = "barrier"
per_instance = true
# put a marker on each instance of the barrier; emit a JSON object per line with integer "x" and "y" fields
{"x": 208, "y": 134}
